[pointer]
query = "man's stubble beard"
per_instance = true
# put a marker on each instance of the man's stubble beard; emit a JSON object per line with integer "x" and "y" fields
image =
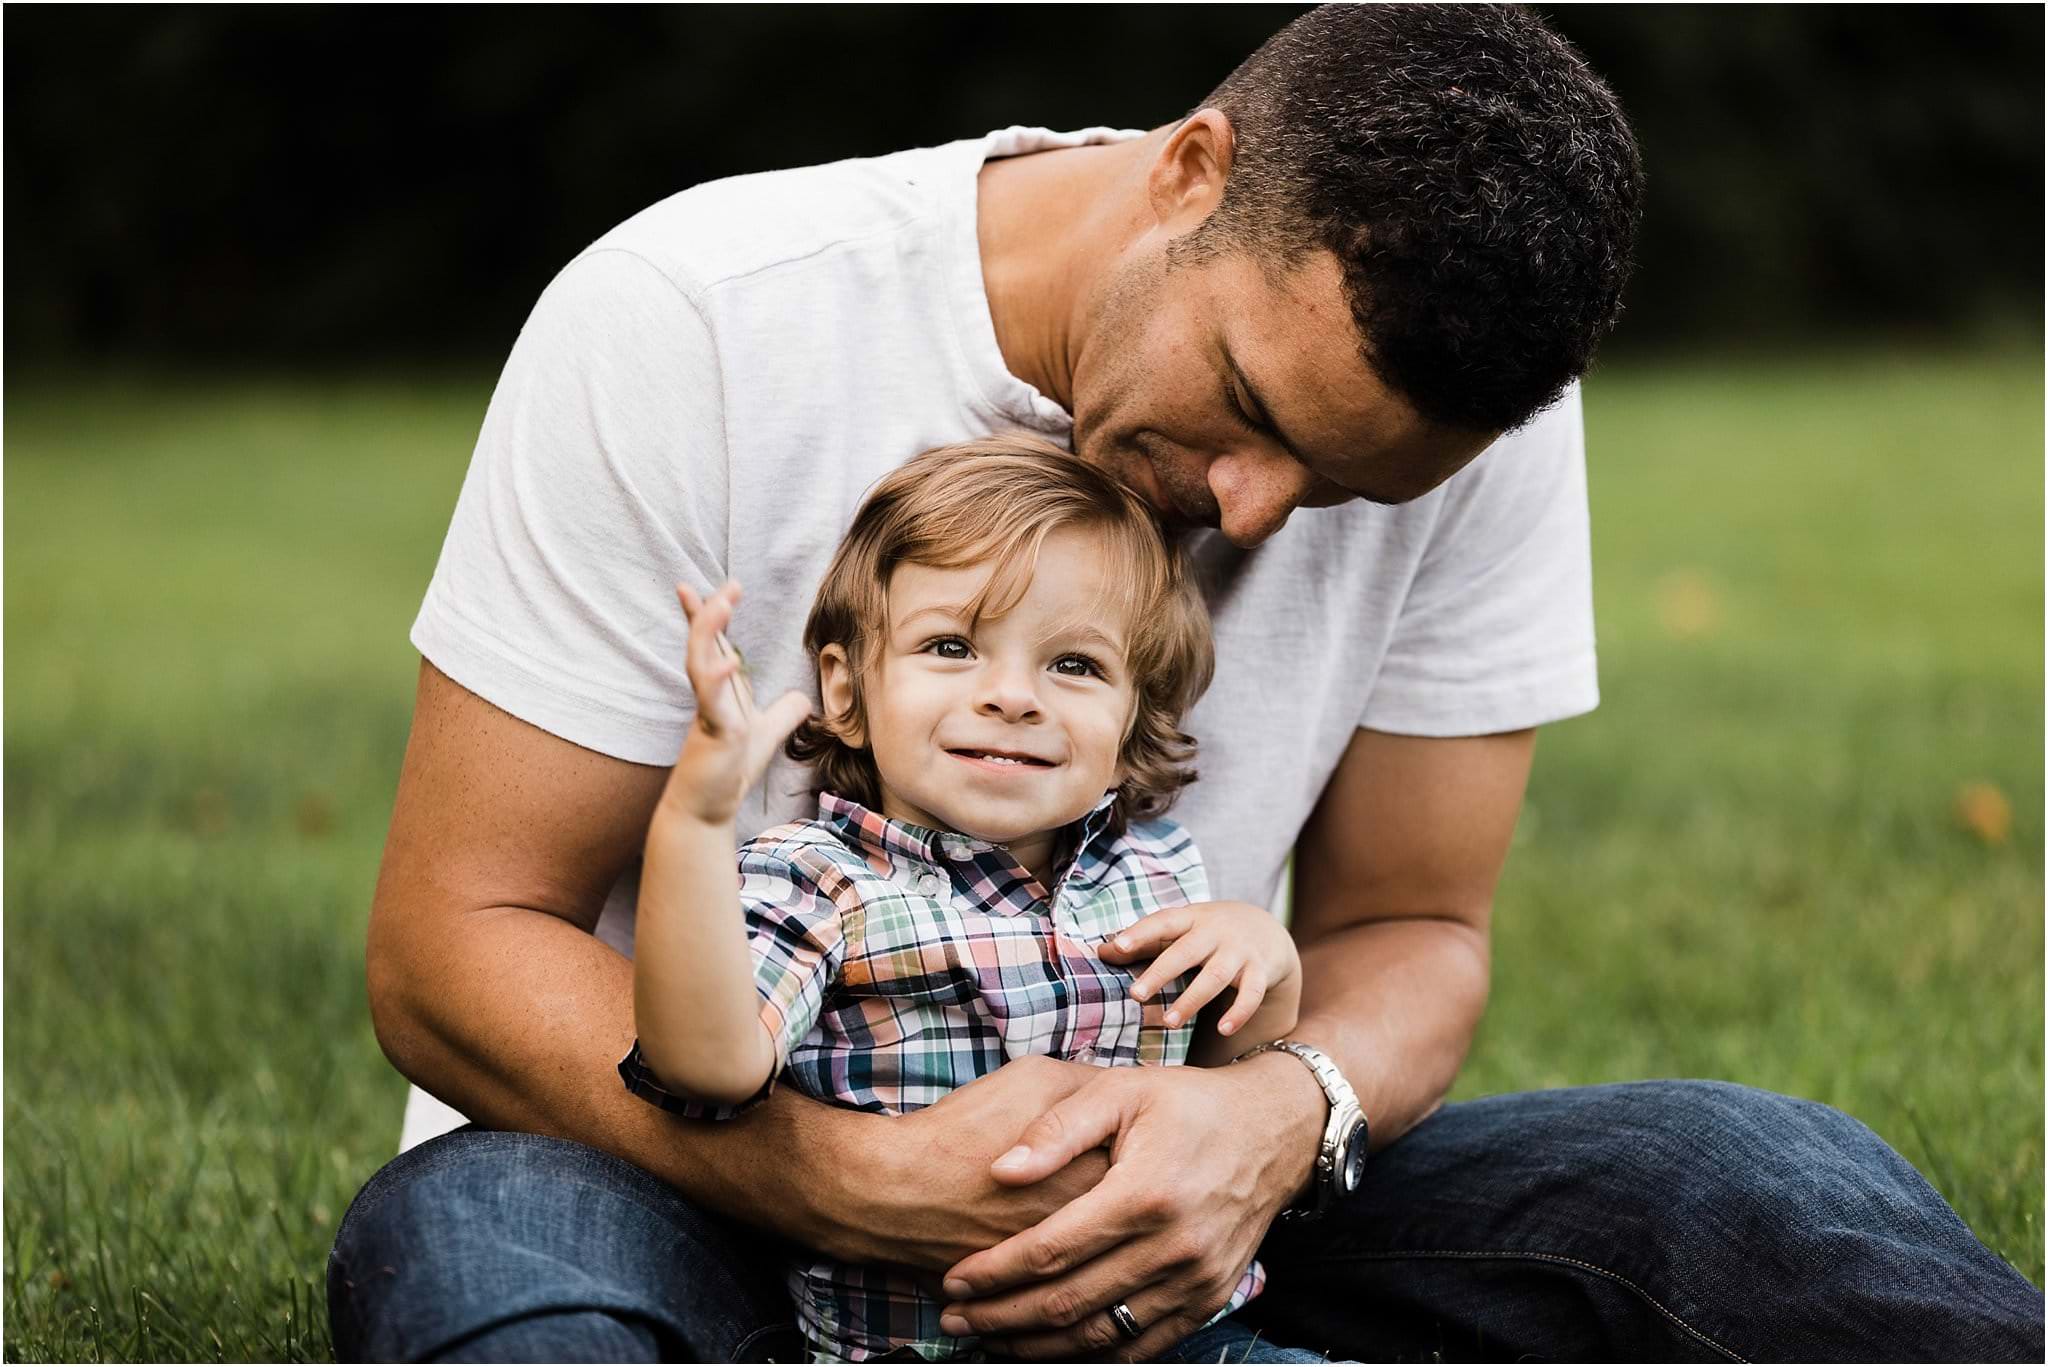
{"x": 1134, "y": 455}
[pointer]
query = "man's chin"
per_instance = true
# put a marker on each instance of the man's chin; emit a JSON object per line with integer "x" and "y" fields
{"x": 1130, "y": 463}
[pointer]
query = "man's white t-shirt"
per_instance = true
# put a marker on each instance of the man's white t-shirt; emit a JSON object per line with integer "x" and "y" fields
{"x": 709, "y": 390}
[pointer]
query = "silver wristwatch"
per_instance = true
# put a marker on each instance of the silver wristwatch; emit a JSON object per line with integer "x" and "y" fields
{"x": 1340, "y": 1162}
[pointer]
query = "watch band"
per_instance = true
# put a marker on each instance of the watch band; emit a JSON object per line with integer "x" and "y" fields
{"x": 1345, "y": 1115}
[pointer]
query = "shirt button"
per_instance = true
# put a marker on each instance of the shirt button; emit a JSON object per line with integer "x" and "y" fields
{"x": 930, "y": 884}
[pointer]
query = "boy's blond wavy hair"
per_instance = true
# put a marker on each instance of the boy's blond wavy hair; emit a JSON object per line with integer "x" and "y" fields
{"x": 994, "y": 501}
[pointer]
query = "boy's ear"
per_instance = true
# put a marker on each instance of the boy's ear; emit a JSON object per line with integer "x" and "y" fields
{"x": 836, "y": 692}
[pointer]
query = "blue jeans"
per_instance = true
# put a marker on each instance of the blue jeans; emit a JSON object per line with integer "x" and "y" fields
{"x": 1655, "y": 1221}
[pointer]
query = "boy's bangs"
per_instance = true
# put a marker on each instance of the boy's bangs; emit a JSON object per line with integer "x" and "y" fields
{"x": 1015, "y": 561}
{"x": 1127, "y": 594}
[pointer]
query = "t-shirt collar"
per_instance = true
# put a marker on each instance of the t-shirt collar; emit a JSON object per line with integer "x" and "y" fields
{"x": 1003, "y": 399}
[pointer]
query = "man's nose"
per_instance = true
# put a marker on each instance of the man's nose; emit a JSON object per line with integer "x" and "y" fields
{"x": 1256, "y": 492}
{"x": 1008, "y": 690}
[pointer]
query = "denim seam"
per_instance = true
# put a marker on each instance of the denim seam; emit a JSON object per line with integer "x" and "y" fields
{"x": 337, "y": 1270}
{"x": 1596, "y": 1270}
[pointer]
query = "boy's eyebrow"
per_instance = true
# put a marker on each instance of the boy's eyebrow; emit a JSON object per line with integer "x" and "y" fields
{"x": 1087, "y": 634}
{"x": 952, "y": 612}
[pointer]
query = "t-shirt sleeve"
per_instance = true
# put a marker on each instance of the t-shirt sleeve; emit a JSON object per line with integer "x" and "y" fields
{"x": 598, "y": 483}
{"x": 797, "y": 939}
{"x": 1496, "y": 632}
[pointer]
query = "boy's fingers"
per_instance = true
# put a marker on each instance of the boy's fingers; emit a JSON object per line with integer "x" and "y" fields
{"x": 704, "y": 654}
{"x": 1145, "y": 936}
{"x": 1214, "y": 977}
{"x": 1180, "y": 956}
{"x": 782, "y": 717}
{"x": 739, "y": 686}
{"x": 1251, "y": 990}
{"x": 714, "y": 713}
{"x": 709, "y": 671}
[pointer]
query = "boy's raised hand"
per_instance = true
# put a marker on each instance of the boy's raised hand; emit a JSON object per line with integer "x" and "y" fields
{"x": 1237, "y": 946}
{"x": 731, "y": 740}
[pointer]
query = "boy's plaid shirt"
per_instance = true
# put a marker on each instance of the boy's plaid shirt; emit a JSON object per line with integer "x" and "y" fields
{"x": 896, "y": 963}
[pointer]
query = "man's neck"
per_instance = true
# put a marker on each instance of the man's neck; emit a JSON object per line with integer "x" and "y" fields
{"x": 1049, "y": 223}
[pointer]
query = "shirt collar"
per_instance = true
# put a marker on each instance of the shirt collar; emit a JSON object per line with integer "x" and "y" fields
{"x": 859, "y": 825}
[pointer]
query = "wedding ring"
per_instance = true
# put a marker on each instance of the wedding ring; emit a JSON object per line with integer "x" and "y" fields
{"x": 1126, "y": 1321}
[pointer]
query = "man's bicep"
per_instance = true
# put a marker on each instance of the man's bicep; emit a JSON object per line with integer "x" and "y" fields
{"x": 493, "y": 812}
{"x": 1410, "y": 826}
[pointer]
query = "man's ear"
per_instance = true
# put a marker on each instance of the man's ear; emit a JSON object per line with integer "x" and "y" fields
{"x": 835, "y": 691}
{"x": 1187, "y": 178}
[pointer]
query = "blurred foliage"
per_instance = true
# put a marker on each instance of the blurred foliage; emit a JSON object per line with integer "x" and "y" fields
{"x": 198, "y": 183}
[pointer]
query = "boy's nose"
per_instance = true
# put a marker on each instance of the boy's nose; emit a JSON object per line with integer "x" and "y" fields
{"x": 1008, "y": 693}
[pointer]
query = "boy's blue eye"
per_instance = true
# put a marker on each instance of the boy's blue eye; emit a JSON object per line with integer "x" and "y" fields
{"x": 949, "y": 648}
{"x": 1065, "y": 664}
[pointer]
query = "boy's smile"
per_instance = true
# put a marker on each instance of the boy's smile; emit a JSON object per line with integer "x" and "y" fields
{"x": 1004, "y": 729}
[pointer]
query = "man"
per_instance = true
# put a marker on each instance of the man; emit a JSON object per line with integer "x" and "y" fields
{"x": 1391, "y": 237}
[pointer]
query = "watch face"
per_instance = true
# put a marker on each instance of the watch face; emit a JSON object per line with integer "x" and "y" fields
{"x": 1353, "y": 1169}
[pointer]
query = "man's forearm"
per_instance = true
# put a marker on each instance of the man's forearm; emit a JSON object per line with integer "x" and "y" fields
{"x": 519, "y": 1020}
{"x": 1395, "y": 1003}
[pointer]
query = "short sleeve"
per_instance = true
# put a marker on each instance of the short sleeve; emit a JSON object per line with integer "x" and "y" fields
{"x": 598, "y": 483}
{"x": 1496, "y": 631}
{"x": 795, "y": 931}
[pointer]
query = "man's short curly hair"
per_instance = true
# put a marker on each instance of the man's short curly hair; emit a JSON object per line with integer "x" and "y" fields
{"x": 1476, "y": 181}
{"x": 993, "y": 502}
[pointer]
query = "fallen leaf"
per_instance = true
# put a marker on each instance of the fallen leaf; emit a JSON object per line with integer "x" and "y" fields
{"x": 1688, "y": 604}
{"x": 209, "y": 811}
{"x": 314, "y": 815}
{"x": 1984, "y": 812}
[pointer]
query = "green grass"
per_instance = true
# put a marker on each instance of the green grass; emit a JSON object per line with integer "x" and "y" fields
{"x": 1820, "y": 610}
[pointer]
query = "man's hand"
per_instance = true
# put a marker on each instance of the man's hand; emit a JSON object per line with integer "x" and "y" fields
{"x": 1201, "y": 1160}
{"x": 927, "y": 1197}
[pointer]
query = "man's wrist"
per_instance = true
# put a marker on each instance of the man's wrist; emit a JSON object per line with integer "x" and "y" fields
{"x": 1289, "y": 1094}
{"x": 835, "y": 1172}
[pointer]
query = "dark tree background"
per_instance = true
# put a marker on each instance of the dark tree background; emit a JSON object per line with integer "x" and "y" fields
{"x": 215, "y": 184}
